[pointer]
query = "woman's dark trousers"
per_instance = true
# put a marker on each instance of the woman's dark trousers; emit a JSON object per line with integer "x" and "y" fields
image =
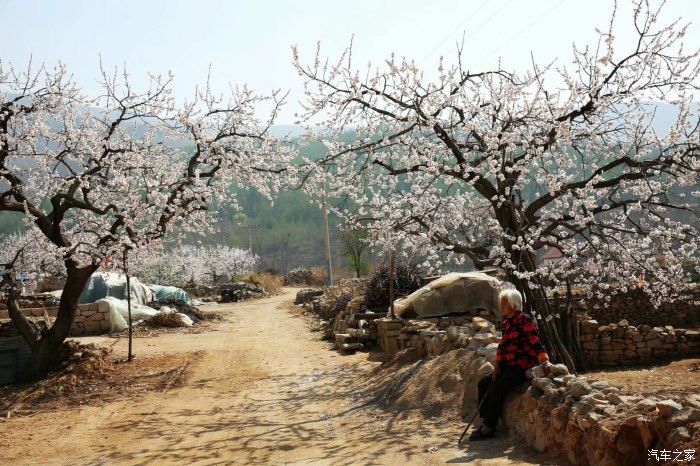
{"x": 490, "y": 410}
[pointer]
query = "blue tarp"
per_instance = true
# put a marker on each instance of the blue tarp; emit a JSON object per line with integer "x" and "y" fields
{"x": 172, "y": 292}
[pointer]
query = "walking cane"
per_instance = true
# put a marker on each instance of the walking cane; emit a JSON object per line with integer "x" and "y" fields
{"x": 474, "y": 416}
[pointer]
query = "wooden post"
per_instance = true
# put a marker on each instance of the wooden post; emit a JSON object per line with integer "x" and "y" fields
{"x": 392, "y": 278}
{"x": 130, "y": 355}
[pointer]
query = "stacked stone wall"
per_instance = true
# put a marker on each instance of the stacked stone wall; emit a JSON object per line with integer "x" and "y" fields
{"x": 636, "y": 307}
{"x": 624, "y": 344}
{"x": 90, "y": 319}
{"x": 586, "y": 421}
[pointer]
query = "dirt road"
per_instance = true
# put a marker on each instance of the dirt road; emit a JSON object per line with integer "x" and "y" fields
{"x": 265, "y": 391}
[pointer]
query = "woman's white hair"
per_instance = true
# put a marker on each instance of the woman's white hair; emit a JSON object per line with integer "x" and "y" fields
{"x": 513, "y": 297}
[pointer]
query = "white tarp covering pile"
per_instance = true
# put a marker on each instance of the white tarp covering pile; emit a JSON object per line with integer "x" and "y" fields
{"x": 119, "y": 313}
{"x": 110, "y": 288}
{"x": 454, "y": 293}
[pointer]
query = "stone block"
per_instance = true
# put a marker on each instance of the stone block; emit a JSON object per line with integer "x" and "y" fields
{"x": 654, "y": 344}
{"x": 667, "y": 407}
{"x": 92, "y": 327}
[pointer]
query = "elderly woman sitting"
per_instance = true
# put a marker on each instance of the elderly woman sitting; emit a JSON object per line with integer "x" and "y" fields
{"x": 519, "y": 350}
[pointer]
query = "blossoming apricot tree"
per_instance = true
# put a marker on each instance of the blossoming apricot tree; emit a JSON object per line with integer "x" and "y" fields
{"x": 102, "y": 176}
{"x": 561, "y": 156}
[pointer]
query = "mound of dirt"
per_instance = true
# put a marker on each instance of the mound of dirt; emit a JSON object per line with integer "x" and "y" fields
{"x": 91, "y": 375}
{"x": 432, "y": 386}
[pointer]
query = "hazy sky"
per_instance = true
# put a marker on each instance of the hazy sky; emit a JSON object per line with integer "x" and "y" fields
{"x": 249, "y": 41}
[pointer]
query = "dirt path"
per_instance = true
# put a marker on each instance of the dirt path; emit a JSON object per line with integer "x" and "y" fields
{"x": 266, "y": 391}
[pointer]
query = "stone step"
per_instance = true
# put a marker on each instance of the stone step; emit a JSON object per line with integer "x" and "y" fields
{"x": 341, "y": 338}
{"x": 359, "y": 333}
{"x": 350, "y": 346}
{"x": 367, "y": 315}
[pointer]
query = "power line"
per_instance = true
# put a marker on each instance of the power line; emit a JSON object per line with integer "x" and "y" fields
{"x": 518, "y": 34}
{"x": 455, "y": 30}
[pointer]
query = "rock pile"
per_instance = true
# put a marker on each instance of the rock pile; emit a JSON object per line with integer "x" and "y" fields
{"x": 354, "y": 327}
{"x": 328, "y": 301}
{"x": 83, "y": 359}
{"x": 436, "y": 336}
{"x": 241, "y": 291}
{"x": 299, "y": 276}
{"x": 307, "y": 295}
{"x": 625, "y": 344}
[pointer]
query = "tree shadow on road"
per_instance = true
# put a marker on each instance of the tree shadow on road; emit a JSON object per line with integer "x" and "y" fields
{"x": 329, "y": 416}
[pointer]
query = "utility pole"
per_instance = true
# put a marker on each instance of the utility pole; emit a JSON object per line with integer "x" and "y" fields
{"x": 326, "y": 239}
{"x": 250, "y": 235}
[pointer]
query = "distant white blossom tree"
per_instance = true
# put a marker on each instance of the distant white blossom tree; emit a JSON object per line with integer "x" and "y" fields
{"x": 100, "y": 177}
{"x": 193, "y": 265}
{"x": 561, "y": 156}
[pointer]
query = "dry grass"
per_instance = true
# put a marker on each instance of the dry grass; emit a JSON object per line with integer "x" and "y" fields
{"x": 267, "y": 281}
{"x": 318, "y": 276}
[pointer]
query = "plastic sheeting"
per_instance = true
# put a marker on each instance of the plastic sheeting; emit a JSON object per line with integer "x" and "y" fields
{"x": 170, "y": 292}
{"x": 119, "y": 313}
{"x": 110, "y": 284}
{"x": 454, "y": 293}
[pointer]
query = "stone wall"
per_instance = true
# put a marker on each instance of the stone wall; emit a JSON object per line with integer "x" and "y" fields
{"x": 590, "y": 422}
{"x": 586, "y": 421}
{"x": 435, "y": 336}
{"x": 635, "y": 306}
{"x": 625, "y": 344}
{"x": 32, "y": 312}
{"x": 90, "y": 319}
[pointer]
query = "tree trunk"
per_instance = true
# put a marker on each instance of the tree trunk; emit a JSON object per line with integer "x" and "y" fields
{"x": 532, "y": 290}
{"x": 44, "y": 350}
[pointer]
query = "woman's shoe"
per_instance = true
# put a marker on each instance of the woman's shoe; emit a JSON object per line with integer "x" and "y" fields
{"x": 481, "y": 435}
